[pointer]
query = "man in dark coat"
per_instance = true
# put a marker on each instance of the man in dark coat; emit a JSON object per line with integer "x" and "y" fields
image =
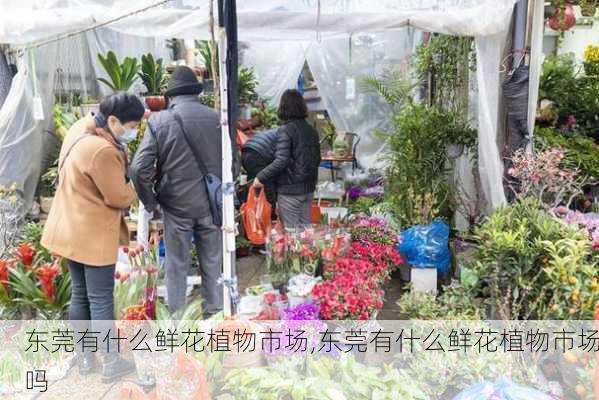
{"x": 257, "y": 154}
{"x": 166, "y": 173}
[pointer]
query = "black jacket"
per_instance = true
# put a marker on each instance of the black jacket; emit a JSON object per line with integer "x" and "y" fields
{"x": 297, "y": 157}
{"x": 263, "y": 143}
{"x": 164, "y": 169}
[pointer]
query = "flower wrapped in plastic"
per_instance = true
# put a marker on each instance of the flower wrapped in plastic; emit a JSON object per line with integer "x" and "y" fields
{"x": 135, "y": 291}
{"x": 304, "y": 251}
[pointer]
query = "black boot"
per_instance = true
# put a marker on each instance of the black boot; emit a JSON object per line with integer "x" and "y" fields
{"x": 87, "y": 363}
{"x": 115, "y": 367}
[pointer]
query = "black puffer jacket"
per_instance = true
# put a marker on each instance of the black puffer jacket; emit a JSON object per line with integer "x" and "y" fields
{"x": 263, "y": 143}
{"x": 297, "y": 157}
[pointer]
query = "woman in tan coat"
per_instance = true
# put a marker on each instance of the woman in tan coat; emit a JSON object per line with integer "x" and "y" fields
{"x": 85, "y": 224}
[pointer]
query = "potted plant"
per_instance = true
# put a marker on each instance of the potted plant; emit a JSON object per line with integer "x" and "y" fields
{"x": 246, "y": 91}
{"x": 563, "y": 18}
{"x": 89, "y": 104}
{"x": 48, "y": 188}
{"x": 588, "y": 7}
{"x": 122, "y": 74}
{"x": 242, "y": 247}
{"x": 204, "y": 48}
{"x": 153, "y": 76}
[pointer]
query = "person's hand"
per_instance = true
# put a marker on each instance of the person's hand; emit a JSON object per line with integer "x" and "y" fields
{"x": 257, "y": 184}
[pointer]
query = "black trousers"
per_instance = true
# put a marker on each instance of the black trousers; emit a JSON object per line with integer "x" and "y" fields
{"x": 253, "y": 163}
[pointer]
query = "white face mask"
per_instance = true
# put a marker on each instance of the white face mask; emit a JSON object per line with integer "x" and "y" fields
{"x": 128, "y": 136}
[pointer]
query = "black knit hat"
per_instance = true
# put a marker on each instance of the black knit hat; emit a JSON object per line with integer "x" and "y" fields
{"x": 183, "y": 81}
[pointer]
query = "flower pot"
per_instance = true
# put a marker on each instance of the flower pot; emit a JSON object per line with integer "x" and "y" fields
{"x": 46, "y": 204}
{"x": 563, "y": 19}
{"x": 89, "y": 108}
{"x": 243, "y": 251}
{"x": 155, "y": 103}
{"x": 588, "y": 9}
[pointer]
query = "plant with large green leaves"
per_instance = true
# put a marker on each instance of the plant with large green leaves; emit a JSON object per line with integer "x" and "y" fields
{"x": 152, "y": 74}
{"x": 417, "y": 150}
{"x": 49, "y": 297}
{"x": 122, "y": 74}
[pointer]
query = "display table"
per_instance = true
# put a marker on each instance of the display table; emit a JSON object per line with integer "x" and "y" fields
{"x": 339, "y": 160}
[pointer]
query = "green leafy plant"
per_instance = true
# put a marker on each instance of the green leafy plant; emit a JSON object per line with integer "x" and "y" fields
{"x": 63, "y": 120}
{"x": 48, "y": 181}
{"x": 266, "y": 114}
{"x": 204, "y": 47}
{"x": 517, "y": 264}
{"x": 456, "y": 302}
{"x": 152, "y": 74}
{"x": 447, "y": 61}
{"x": 325, "y": 378}
{"x": 246, "y": 86}
{"x": 122, "y": 74}
{"x": 417, "y": 151}
{"x": 575, "y": 96}
{"x": 29, "y": 291}
{"x": 580, "y": 151}
{"x": 207, "y": 99}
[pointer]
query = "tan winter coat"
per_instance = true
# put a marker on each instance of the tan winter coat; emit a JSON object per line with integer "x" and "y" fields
{"x": 86, "y": 221}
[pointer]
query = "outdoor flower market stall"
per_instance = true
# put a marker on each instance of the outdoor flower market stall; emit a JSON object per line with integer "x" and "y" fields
{"x": 422, "y": 220}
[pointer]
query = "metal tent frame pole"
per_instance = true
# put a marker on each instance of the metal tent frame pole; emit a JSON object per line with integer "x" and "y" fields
{"x": 226, "y": 9}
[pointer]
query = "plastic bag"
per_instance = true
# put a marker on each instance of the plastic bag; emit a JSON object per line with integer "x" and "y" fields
{"x": 427, "y": 246}
{"x": 502, "y": 389}
{"x": 256, "y": 215}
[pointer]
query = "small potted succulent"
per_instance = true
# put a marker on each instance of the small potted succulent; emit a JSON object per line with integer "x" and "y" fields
{"x": 153, "y": 75}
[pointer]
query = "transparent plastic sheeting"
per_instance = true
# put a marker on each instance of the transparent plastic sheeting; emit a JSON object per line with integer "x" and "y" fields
{"x": 322, "y": 27}
{"x": 339, "y": 65}
{"x": 66, "y": 65}
{"x": 235, "y": 359}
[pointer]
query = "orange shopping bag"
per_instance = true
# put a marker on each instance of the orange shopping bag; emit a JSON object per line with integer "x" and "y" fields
{"x": 256, "y": 214}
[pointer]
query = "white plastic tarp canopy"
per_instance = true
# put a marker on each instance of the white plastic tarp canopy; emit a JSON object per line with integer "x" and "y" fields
{"x": 315, "y": 25}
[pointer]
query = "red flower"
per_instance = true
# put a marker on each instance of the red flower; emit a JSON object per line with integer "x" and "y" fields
{"x": 46, "y": 275}
{"x": 269, "y": 298}
{"x": 4, "y": 272}
{"x": 26, "y": 254}
{"x": 125, "y": 249}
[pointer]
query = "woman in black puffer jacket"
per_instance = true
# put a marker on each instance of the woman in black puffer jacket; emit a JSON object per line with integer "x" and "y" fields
{"x": 295, "y": 167}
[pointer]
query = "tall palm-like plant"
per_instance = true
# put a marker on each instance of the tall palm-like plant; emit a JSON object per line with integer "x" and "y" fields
{"x": 152, "y": 74}
{"x": 122, "y": 75}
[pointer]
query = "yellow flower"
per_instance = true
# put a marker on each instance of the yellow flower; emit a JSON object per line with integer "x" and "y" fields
{"x": 591, "y": 54}
{"x": 13, "y": 199}
{"x": 13, "y": 187}
{"x": 573, "y": 280}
